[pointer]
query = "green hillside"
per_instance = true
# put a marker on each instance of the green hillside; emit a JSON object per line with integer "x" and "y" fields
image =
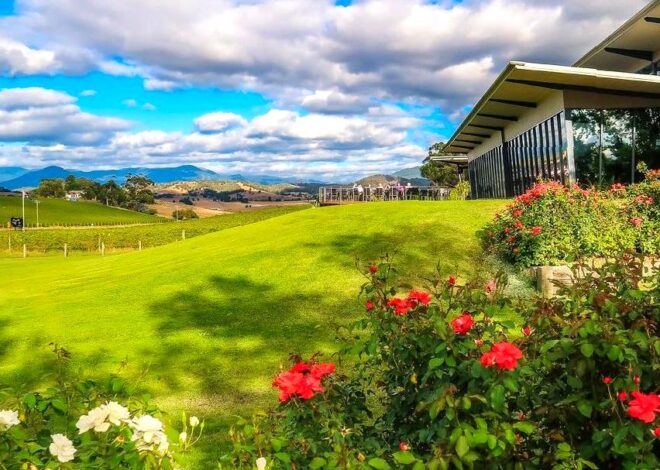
{"x": 62, "y": 212}
{"x": 213, "y": 318}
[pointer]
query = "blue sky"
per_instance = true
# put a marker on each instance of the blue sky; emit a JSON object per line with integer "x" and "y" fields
{"x": 328, "y": 89}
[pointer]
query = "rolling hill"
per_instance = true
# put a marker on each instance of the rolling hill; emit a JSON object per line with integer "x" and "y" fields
{"x": 213, "y": 318}
{"x": 61, "y": 212}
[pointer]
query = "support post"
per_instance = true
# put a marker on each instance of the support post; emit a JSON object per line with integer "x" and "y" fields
{"x": 24, "y": 250}
{"x": 183, "y": 234}
{"x": 139, "y": 245}
{"x": 102, "y": 248}
{"x": 508, "y": 172}
{"x": 66, "y": 250}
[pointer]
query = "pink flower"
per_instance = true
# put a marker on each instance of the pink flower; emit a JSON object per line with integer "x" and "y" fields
{"x": 527, "y": 331}
{"x": 536, "y": 230}
{"x": 635, "y": 221}
{"x": 490, "y": 286}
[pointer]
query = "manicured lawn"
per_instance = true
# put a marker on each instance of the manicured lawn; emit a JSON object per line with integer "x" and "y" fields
{"x": 62, "y": 212}
{"x": 214, "y": 317}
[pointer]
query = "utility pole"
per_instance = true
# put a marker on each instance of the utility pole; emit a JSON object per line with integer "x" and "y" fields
{"x": 36, "y": 201}
{"x": 23, "y": 224}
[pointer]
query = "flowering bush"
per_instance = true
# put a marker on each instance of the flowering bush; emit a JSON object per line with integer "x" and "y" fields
{"x": 82, "y": 424}
{"x": 461, "y": 376}
{"x": 554, "y": 224}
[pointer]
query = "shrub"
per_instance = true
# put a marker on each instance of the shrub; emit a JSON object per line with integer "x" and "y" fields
{"x": 78, "y": 423}
{"x": 184, "y": 214}
{"x": 459, "y": 192}
{"x": 463, "y": 376}
{"x": 554, "y": 224}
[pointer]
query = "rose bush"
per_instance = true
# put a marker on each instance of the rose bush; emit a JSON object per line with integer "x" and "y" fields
{"x": 462, "y": 376}
{"x": 86, "y": 424}
{"x": 554, "y": 224}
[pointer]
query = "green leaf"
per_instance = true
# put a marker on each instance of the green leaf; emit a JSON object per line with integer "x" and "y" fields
{"x": 462, "y": 446}
{"x": 317, "y": 462}
{"x": 480, "y": 436}
{"x": 511, "y": 384}
{"x": 283, "y": 456}
{"x": 436, "y": 362}
{"x": 524, "y": 427}
{"x": 548, "y": 345}
{"x": 379, "y": 464}
{"x": 584, "y": 407}
{"x": 574, "y": 382}
{"x": 405, "y": 458}
{"x": 30, "y": 400}
{"x": 419, "y": 466}
{"x": 58, "y": 405}
{"x": 587, "y": 349}
{"x": 276, "y": 444}
{"x": 497, "y": 397}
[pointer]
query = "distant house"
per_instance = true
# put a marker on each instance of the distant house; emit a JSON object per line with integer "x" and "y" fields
{"x": 73, "y": 196}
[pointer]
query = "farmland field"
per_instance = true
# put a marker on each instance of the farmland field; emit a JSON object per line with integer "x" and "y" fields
{"x": 211, "y": 319}
{"x": 62, "y": 212}
{"x": 89, "y": 240}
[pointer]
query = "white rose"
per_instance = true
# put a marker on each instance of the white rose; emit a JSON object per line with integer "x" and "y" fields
{"x": 8, "y": 418}
{"x": 95, "y": 419}
{"x": 194, "y": 421}
{"x": 183, "y": 437}
{"x": 62, "y": 448}
{"x": 116, "y": 413}
{"x": 261, "y": 463}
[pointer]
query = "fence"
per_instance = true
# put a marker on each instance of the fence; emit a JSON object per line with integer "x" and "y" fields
{"x": 347, "y": 195}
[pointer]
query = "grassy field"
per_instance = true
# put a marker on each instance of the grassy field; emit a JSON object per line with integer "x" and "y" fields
{"x": 213, "y": 318}
{"x": 88, "y": 240}
{"x": 62, "y": 212}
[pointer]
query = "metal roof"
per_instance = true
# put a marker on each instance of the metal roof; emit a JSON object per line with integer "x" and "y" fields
{"x": 522, "y": 86}
{"x": 631, "y": 47}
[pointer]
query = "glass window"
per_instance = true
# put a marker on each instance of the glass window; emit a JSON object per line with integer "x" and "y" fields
{"x": 586, "y": 145}
{"x": 617, "y": 147}
{"x": 647, "y": 138}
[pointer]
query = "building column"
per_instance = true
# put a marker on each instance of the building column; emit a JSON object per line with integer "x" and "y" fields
{"x": 508, "y": 171}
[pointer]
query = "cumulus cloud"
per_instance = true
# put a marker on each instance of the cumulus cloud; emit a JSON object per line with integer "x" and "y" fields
{"x": 41, "y": 116}
{"x": 88, "y": 93}
{"x": 397, "y": 49}
{"x": 129, "y": 103}
{"x": 218, "y": 122}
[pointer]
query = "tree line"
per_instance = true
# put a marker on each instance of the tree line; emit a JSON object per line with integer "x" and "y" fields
{"x": 134, "y": 194}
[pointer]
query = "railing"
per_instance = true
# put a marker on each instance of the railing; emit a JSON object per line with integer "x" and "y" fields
{"x": 347, "y": 195}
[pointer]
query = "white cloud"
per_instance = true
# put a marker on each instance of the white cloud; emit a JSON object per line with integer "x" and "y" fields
{"x": 218, "y": 122}
{"x": 18, "y": 59}
{"x": 88, "y": 93}
{"x": 149, "y": 107}
{"x": 42, "y": 116}
{"x": 129, "y": 103}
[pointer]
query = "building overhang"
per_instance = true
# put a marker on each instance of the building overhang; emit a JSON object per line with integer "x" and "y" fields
{"x": 522, "y": 86}
{"x": 631, "y": 47}
{"x": 458, "y": 160}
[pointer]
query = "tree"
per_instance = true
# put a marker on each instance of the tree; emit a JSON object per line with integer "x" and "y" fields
{"x": 51, "y": 188}
{"x": 184, "y": 214}
{"x": 138, "y": 194}
{"x": 442, "y": 174}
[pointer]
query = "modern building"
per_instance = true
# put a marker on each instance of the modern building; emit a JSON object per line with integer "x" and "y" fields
{"x": 591, "y": 123}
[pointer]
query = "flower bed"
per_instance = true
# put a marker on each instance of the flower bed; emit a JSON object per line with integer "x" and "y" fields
{"x": 552, "y": 224}
{"x": 461, "y": 376}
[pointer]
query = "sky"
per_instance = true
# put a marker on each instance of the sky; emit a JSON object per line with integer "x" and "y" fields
{"x": 311, "y": 89}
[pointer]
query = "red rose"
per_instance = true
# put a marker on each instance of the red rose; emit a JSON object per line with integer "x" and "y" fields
{"x": 373, "y": 269}
{"x": 504, "y": 355}
{"x": 644, "y": 406}
{"x": 506, "y": 230}
{"x": 527, "y": 331}
{"x": 536, "y": 230}
{"x": 517, "y": 213}
{"x": 656, "y": 432}
{"x": 519, "y": 225}
{"x": 462, "y": 324}
{"x": 419, "y": 297}
{"x": 607, "y": 380}
{"x": 400, "y": 306}
{"x": 369, "y": 306}
{"x": 515, "y": 251}
{"x": 622, "y": 395}
{"x": 303, "y": 380}
{"x": 635, "y": 221}
{"x": 636, "y": 380}
{"x": 404, "y": 447}
{"x": 451, "y": 280}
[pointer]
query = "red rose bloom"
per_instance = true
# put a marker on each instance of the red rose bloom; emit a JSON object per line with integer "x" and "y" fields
{"x": 462, "y": 324}
{"x": 515, "y": 251}
{"x": 536, "y": 230}
{"x": 656, "y": 432}
{"x": 373, "y": 269}
{"x": 400, "y": 306}
{"x": 404, "y": 447}
{"x": 622, "y": 395}
{"x": 451, "y": 280}
{"x": 504, "y": 355}
{"x": 636, "y": 380}
{"x": 607, "y": 380}
{"x": 419, "y": 297}
{"x": 635, "y": 221}
{"x": 369, "y": 305}
{"x": 303, "y": 380}
{"x": 527, "y": 331}
{"x": 517, "y": 213}
{"x": 518, "y": 224}
{"x": 644, "y": 406}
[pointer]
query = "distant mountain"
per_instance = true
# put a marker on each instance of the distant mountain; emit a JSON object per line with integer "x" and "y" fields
{"x": 11, "y": 172}
{"x": 409, "y": 173}
{"x": 32, "y": 178}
